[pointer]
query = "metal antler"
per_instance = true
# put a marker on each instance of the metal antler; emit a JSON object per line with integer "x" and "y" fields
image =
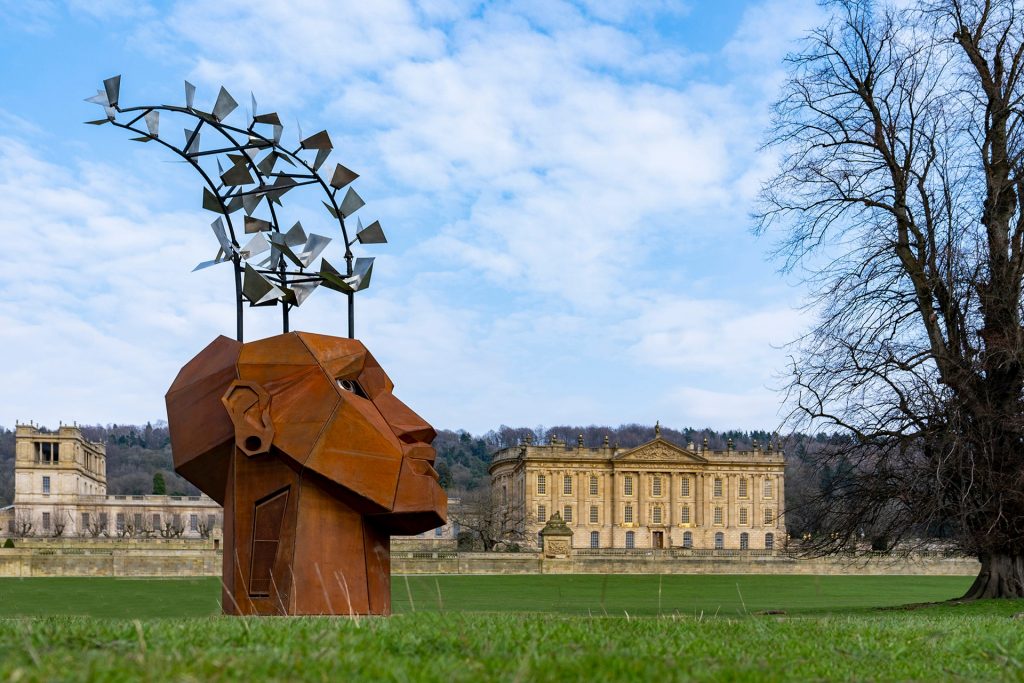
{"x": 249, "y": 177}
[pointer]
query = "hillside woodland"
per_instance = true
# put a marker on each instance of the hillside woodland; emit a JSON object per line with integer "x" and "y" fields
{"x": 136, "y": 453}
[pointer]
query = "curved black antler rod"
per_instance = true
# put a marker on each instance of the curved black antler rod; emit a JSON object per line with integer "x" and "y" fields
{"x": 273, "y": 280}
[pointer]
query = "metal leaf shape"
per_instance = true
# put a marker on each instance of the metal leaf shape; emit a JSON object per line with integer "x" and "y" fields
{"x": 224, "y": 105}
{"x": 372, "y": 234}
{"x": 352, "y": 203}
{"x": 342, "y": 177}
{"x": 112, "y": 86}
{"x": 321, "y": 140}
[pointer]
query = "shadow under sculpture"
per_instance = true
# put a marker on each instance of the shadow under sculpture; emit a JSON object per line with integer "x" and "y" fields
{"x": 316, "y": 463}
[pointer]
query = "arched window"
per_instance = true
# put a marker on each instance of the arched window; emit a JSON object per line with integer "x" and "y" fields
{"x": 595, "y": 539}
{"x": 687, "y": 539}
{"x": 719, "y": 540}
{"x": 744, "y": 540}
{"x": 630, "y": 539}
{"x": 769, "y": 541}
{"x": 593, "y": 485}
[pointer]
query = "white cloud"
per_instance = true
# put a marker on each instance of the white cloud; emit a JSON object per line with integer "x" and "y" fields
{"x": 541, "y": 169}
{"x": 292, "y": 51}
{"x": 31, "y": 17}
{"x": 755, "y": 408}
{"x": 92, "y": 310}
{"x": 721, "y": 338}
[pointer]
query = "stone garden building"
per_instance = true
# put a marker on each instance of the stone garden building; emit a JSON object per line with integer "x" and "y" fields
{"x": 60, "y": 490}
{"x": 657, "y": 495}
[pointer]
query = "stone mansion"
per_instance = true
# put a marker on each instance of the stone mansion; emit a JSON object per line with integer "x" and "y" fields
{"x": 656, "y": 495}
{"x": 60, "y": 489}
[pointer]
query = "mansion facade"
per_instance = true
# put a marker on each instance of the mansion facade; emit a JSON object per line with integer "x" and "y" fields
{"x": 656, "y": 495}
{"x": 60, "y": 490}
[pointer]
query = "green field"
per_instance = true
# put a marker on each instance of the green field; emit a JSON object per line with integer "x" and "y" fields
{"x": 537, "y": 628}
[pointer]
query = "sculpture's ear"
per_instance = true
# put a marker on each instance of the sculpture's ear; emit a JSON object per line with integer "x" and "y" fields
{"x": 248, "y": 404}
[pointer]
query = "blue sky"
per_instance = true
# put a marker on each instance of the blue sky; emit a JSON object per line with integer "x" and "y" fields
{"x": 565, "y": 187}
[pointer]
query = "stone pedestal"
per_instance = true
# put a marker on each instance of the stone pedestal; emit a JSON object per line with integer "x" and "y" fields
{"x": 556, "y": 538}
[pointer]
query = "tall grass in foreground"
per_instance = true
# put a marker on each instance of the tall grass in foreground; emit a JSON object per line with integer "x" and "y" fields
{"x": 519, "y": 628}
{"x": 968, "y": 642}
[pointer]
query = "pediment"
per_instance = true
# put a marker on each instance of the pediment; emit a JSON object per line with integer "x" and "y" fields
{"x": 659, "y": 450}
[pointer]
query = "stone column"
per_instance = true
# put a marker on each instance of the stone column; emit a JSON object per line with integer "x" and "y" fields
{"x": 709, "y": 502}
{"x": 732, "y": 501}
{"x": 641, "y": 516}
{"x": 552, "y": 494}
{"x": 698, "y": 500}
{"x": 757, "y": 501}
{"x": 607, "y": 501}
{"x": 582, "y": 509}
{"x": 673, "y": 500}
{"x": 780, "y": 496}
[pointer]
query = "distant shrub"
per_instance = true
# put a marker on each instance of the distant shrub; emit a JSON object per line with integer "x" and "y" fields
{"x": 9, "y": 543}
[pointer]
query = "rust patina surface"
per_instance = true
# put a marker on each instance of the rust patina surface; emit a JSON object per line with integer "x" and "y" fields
{"x": 316, "y": 463}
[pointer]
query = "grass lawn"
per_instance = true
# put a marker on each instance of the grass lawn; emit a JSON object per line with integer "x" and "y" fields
{"x": 538, "y": 628}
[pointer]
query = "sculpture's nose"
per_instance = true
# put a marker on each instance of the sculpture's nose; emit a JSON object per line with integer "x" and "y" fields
{"x": 406, "y": 424}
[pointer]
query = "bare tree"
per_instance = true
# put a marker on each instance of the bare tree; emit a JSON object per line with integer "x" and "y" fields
{"x": 61, "y": 517}
{"x": 174, "y": 527}
{"x": 23, "y": 523}
{"x": 95, "y": 525}
{"x": 495, "y": 522}
{"x": 208, "y": 524}
{"x": 901, "y": 202}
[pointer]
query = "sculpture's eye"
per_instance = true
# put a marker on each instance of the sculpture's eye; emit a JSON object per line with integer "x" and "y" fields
{"x": 352, "y": 387}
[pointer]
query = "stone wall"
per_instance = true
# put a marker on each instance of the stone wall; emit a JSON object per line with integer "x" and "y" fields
{"x": 653, "y": 562}
{"x": 119, "y": 562}
{"x": 183, "y": 558}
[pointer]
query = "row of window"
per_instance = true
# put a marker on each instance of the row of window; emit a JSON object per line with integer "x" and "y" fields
{"x": 656, "y": 514}
{"x": 769, "y": 540}
{"x": 656, "y": 486}
{"x": 120, "y": 520}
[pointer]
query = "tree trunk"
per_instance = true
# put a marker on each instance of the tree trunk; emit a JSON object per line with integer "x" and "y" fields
{"x": 1001, "y": 576}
